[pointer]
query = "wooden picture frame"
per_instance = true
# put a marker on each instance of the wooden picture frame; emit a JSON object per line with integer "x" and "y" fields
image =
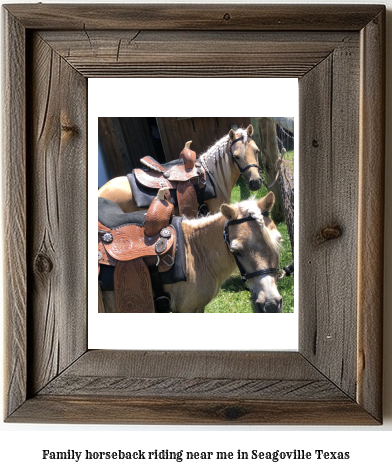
{"x": 338, "y": 54}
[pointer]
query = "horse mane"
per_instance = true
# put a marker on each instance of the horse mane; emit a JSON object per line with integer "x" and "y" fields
{"x": 271, "y": 236}
{"x": 219, "y": 150}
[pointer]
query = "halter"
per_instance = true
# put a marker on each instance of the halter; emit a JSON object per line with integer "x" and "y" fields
{"x": 234, "y": 160}
{"x": 246, "y": 276}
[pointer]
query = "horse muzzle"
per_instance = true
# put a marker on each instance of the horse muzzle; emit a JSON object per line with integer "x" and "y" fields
{"x": 255, "y": 184}
{"x": 270, "y": 306}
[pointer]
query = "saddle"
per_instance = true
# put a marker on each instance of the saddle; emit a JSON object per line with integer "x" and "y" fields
{"x": 140, "y": 245}
{"x": 182, "y": 177}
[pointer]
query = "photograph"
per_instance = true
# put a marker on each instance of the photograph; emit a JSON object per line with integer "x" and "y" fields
{"x": 196, "y": 214}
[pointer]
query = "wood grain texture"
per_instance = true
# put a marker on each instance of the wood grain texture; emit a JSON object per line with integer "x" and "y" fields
{"x": 192, "y": 17}
{"x": 111, "y": 148}
{"x": 329, "y": 199}
{"x": 371, "y": 216}
{"x": 14, "y": 212}
{"x": 193, "y": 387}
{"x": 340, "y": 315}
{"x": 207, "y": 364}
{"x": 57, "y": 215}
{"x": 190, "y": 53}
{"x": 88, "y": 410}
{"x": 187, "y": 374}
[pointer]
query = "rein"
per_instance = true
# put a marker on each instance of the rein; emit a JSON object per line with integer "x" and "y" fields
{"x": 246, "y": 276}
{"x": 234, "y": 160}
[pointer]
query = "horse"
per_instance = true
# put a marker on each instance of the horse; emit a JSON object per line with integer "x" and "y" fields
{"x": 233, "y": 155}
{"x": 252, "y": 242}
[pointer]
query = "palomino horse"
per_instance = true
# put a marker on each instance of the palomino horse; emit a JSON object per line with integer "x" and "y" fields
{"x": 251, "y": 242}
{"x": 234, "y": 154}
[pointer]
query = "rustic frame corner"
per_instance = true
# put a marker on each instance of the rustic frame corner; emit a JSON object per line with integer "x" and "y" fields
{"x": 338, "y": 54}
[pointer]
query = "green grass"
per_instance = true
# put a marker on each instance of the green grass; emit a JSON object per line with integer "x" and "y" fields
{"x": 234, "y": 297}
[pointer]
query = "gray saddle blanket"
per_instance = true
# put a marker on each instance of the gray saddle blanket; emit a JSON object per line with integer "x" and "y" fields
{"x": 111, "y": 215}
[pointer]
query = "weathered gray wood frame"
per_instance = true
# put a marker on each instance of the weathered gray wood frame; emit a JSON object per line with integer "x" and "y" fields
{"x": 337, "y": 52}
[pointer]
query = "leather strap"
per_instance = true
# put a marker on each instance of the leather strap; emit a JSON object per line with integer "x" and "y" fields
{"x": 153, "y": 164}
{"x": 132, "y": 287}
{"x": 165, "y": 261}
{"x": 235, "y": 161}
{"x": 289, "y": 270}
{"x": 246, "y": 276}
{"x": 161, "y": 299}
{"x": 187, "y": 200}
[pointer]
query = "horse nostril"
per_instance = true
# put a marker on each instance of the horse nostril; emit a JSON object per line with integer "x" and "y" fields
{"x": 255, "y": 184}
{"x": 274, "y": 306}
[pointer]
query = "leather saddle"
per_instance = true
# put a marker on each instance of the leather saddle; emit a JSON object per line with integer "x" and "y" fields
{"x": 140, "y": 245}
{"x": 182, "y": 176}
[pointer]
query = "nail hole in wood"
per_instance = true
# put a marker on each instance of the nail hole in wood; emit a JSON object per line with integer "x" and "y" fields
{"x": 69, "y": 128}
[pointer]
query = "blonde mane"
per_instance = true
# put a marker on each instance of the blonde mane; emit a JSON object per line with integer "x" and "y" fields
{"x": 219, "y": 151}
{"x": 272, "y": 236}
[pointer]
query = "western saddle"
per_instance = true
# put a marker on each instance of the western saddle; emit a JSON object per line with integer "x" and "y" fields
{"x": 182, "y": 177}
{"x": 139, "y": 245}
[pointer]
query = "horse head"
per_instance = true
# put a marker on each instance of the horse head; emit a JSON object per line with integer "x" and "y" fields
{"x": 254, "y": 240}
{"x": 244, "y": 153}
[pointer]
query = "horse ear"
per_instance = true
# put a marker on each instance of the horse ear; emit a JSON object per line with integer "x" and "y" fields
{"x": 249, "y": 130}
{"x": 232, "y": 134}
{"x": 266, "y": 203}
{"x": 230, "y": 212}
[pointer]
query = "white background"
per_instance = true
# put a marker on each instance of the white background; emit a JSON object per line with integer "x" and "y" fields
{"x": 21, "y": 445}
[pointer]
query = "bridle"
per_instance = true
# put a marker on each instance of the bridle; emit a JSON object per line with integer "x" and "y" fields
{"x": 234, "y": 160}
{"x": 246, "y": 276}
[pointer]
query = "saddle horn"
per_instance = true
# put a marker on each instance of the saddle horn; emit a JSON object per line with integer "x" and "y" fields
{"x": 158, "y": 214}
{"x": 188, "y": 156}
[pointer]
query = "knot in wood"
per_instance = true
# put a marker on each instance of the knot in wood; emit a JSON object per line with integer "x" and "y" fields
{"x": 227, "y": 16}
{"x": 328, "y": 233}
{"x": 43, "y": 264}
{"x": 315, "y": 143}
{"x": 232, "y": 413}
{"x": 71, "y": 129}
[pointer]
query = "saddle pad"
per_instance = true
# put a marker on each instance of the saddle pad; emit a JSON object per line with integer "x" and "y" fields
{"x": 111, "y": 215}
{"x": 132, "y": 287}
{"x": 143, "y": 195}
{"x": 130, "y": 242}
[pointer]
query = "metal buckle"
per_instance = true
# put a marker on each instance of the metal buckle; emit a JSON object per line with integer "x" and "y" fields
{"x": 168, "y": 264}
{"x": 281, "y": 275}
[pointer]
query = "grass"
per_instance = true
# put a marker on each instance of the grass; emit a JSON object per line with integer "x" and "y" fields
{"x": 234, "y": 297}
